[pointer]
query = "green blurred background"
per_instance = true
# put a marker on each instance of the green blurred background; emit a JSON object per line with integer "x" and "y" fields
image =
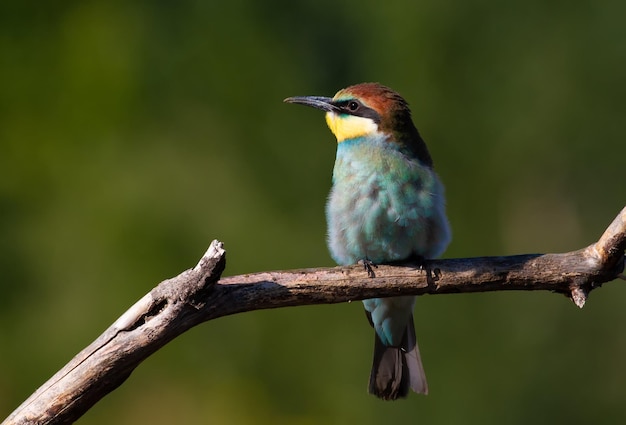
{"x": 134, "y": 133}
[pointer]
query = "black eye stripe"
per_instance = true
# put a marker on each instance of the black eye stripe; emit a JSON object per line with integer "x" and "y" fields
{"x": 356, "y": 108}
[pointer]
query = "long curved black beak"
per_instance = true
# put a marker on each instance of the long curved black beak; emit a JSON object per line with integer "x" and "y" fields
{"x": 318, "y": 102}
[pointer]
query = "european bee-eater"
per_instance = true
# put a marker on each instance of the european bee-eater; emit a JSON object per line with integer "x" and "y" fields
{"x": 386, "y": 205}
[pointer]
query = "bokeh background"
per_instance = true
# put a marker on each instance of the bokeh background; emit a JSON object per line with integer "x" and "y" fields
{"x": 134, "y": 133}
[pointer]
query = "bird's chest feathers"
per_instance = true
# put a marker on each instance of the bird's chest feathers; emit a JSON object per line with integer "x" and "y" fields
{"x": 373, "y": 170}
{"x": 378, "y": 202}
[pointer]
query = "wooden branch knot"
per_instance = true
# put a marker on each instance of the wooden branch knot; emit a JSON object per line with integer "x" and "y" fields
{"x": 579, "y": 296}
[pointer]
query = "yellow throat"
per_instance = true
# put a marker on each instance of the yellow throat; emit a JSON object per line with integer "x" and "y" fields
{"x": 349, "y": 126}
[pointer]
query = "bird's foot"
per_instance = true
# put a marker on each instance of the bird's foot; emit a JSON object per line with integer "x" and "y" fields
{"x": 432, "y": 275}
{"x": 369, "y": 266}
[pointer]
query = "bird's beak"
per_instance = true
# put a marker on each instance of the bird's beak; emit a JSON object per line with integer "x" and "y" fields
{"x": 319, "y": 102}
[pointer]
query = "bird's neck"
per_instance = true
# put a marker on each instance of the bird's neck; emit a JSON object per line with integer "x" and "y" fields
{"x": 412, "y": 143}
{"x": 379, "y": 145}
{"x": 361, "y": 158}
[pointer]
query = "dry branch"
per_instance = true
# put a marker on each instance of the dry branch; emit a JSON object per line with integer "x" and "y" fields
{"x": 198, "y": 295}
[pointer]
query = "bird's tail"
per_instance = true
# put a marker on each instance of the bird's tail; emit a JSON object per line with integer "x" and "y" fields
{"x": 396, "y": 369}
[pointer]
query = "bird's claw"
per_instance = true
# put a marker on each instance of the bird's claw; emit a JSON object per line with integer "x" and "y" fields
{"x": 369, "y": 266}
{"x": 432, "y": 275}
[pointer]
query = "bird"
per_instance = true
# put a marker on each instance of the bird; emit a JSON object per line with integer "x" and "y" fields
{"x": 386, "y": 205}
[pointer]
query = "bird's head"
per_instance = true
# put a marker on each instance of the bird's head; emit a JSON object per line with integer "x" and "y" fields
{"x": 369, "y": 109}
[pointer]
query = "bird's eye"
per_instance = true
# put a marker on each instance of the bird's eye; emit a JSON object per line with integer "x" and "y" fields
{"x": 353, "y": 105}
